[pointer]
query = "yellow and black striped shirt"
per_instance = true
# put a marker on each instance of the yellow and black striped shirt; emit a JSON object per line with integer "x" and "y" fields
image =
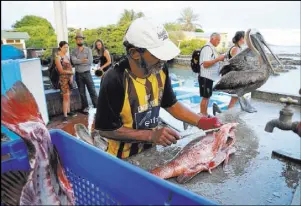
{"x": 132, "y": 102}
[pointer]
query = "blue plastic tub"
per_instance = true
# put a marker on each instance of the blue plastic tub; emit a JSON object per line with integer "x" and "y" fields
{"x": 101, "y": 179}
{"x": 13, "y": 153}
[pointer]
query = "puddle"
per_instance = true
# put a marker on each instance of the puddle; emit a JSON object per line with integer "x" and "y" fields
{"x": 87, "y": 120}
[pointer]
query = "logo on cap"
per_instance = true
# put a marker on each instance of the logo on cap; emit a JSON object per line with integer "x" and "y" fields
{"x": 163, "y": 35}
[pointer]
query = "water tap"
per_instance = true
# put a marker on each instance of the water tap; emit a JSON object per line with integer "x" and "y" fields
{"x": 284, "y": 122}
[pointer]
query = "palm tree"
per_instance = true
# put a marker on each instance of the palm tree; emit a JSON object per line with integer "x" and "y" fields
{"x": 139, "y": 14}
{"x": 129, "y": 16}
{"x": 188, "y": 19}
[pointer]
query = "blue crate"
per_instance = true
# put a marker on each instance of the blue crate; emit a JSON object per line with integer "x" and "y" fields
{"x": 16, "y": 152}
{"x": 99, "y": 178}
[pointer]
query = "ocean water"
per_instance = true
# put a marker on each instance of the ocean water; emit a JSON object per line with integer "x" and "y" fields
{"x": 285, "y": 83}
{"x": 286, "y": 49}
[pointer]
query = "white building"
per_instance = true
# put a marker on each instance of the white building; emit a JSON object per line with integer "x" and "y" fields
{"x": 15, "y": 38}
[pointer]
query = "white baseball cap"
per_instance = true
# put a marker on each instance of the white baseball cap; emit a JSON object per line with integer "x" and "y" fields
{"x": 145, "y": 33}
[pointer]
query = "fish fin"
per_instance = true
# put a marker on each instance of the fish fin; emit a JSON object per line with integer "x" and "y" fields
{"x": 28, "y": 195}
{"x": 19, "y": 106}
{"x": 209, "y": 170}
{"x": 183, "y": 178}
{"x": 245, "y": 105}
{"x": 229, "y": 152}
{"x": 190, "y": 173}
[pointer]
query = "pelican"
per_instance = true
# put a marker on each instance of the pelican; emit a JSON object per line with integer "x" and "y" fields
{"x": 248, "y": 70}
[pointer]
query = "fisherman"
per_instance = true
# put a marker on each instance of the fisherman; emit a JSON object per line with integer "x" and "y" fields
{"x": 132, "y": 93}
{"x": 210, "y": 66}
{"x": 82, "y": 59}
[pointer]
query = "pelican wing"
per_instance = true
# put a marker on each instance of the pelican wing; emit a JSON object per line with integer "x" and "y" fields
{"x": 240, "y": 62}
{"x": 239, "y": 79}
{"x": 240, "y": 56}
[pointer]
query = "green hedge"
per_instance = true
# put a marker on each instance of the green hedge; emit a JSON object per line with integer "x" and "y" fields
{"x": 188, "y": 46}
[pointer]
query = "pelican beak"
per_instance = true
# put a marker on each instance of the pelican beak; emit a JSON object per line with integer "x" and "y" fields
{"x": 260, "y": 37}
{"x": 250, "y": 44}
{"x": 256, "y": 43}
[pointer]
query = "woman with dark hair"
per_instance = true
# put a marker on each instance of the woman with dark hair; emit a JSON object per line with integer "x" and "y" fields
{"x": 238, "y": 40}
{"x": 103, "y": 55}
{"x": 64, "y": 67}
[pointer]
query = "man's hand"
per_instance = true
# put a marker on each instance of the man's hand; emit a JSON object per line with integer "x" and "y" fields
{"x": 206, "y": 123}
{"x": 165, "y": 136}
{"x": 221, "y": 58}
{"x": 209, "y": 63}
{"x": 84, "y": 60}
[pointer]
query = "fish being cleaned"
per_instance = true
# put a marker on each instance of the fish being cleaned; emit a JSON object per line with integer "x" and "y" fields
{"x": 201, "y": 154}
{"x": 82, "y": 133}
{"x": 94, "y": 138}
{"x": 46, "y": 183}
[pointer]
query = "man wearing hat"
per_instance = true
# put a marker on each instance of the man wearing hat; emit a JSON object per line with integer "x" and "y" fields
{"x": 132, "y": 93}
{"x": 82, "y": 59}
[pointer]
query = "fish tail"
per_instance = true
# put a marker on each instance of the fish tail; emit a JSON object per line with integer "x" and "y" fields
{"x": 19, "y": 106}
{"x": 188, "y": 174}
{"x": 166, "y": 171}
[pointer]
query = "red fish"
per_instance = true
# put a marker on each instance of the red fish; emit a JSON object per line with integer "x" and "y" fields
{"x": 47, "y": 183}
{"x": 201, "y": 154}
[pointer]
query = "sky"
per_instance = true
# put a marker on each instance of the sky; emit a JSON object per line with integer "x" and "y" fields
{"x": 279, "y": 22}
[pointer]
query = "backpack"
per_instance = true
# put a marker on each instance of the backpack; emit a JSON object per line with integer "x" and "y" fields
{"x": 195, "y": 60}
{"x": 54, "y": 75}
{"x": 228, "y": 53}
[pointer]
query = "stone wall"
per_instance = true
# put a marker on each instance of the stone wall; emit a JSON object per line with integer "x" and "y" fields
{"x": 54, "y": 101}
{"x": 274, "y": 97}
{"x": 184, "y": 60}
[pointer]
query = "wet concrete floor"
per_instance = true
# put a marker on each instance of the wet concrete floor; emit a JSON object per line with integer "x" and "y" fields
{"x": 87, "y": 120}
{"x": 253, "y": 176}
